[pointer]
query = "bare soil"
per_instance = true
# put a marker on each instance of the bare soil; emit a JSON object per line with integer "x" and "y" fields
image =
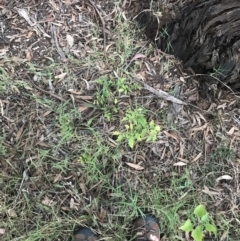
{"x": 200, "y": 140}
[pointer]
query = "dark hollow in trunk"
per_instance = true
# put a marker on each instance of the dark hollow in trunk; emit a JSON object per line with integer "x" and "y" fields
{"x": 206, "y": 37}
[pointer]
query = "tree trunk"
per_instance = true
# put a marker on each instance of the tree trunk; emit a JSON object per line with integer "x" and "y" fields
{"x": 206, "y": 37}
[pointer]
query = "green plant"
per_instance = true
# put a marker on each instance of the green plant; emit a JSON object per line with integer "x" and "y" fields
{"x": 104, "y": 93}
{"x": 222, "y": 153}
{"x": 217, "y": 73}
{"x": 125, "y": 43}
{"x": 107, "y": 92}
{"x": 105, "y": 98}
{"x": 200, "y": 223}
{"x": 122, "y": 86}
{"x": 137, "y": 128}
{"x": 164, "y": 34}
{"x": 65, "y": 124}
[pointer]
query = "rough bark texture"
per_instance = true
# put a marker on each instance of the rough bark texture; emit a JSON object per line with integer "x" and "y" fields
{"x": 206, "y": 37}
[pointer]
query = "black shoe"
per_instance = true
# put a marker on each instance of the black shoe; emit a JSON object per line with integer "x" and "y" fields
{"x": 85, "y": 234}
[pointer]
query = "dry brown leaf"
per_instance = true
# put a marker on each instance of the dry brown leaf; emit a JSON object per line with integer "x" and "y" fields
{"x": 83, "y": 187}
{"x": 73, "y": 205}
{"x": 223, "y": 106}
{"x": 15, "y": 89}
{"x": 31, "y": 21}
{"x": 29, "y": 35}
{"x": 28, "y": 54}
{"x": 202, "y": 117}
{"x": 231, "y": 131}
{"x": 210, "y": 193}
{"x": 137, "y": 56}
{"x": 187, "y": 236}
{"x": 12, "y": 213}
{"x": 198, "y": 118}
{"x": 183, "y": 160}
{"x": 82, "y": 108}
{"x": 57, "y": 178}
{"x": 70, "y": 40}
{"x": 181, "y": 149}
{"x": 68, "y": 2}
{"x": 108, "y": 46}
{"x": 60, "y": 76}
{"x": 46, "y": 113}
{"x": 192, "y": 98}
{"x": 48, "y": 202}
{"x": 19, "y": 133}
{"x": 238, "y": 161}
{"x": 75, "y": 92}
{"x": 179, "y": 164}
{"x": 197, "y": 157}
{"x": 224, "y": 235}
{"x": 55, "y": 6}
{"x": 199, "y": 128}
{"x": 3, "y": 52}
{"x": 31, "y": 158}
{"x": 1, "y": 107}
{"x": 84, "y": 97}
{"x": 163, "y": 153}
{"x": 182, "y": 79}
{"x": 135, "y": 166}
{"x": 43, "y": 144}
{"x": 102, "y": 214}
{"x": 224, "y": 177}
{"x": 112, "y": 142}
{"x": 41, "y": 137}
{"x": 170, "y": 135}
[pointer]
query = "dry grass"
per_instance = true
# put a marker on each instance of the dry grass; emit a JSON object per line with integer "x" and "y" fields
{"x": 61, "y": 166}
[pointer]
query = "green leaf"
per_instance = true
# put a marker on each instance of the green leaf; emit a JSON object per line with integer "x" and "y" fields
{"x": 131, "y": 142}
{"x": 150, "y": 138}
{"x": 142, "y": 121}
{"x": 116, "y": 133}
{"x": 210, "y": 228}
{"x": 153, "y": 133}
{"x": 200, "y": 211}
{"x": 120, "y": 138}
{"x": 205, "y": 218}
{"x": 197, "y": 233}
{"x": 157, "y": 128}
{"x": 127, "y": 127}
{"x": 151, "y": 124}
{"x": 187, "y": 226}
{"x": 138, "y": 137}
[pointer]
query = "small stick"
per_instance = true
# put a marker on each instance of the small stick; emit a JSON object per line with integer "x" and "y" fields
{"x": 47, "y": 92}
{"x": 166, "y": 96}
{"x": 161, "y": 93}
{"x": 59, "y": 50}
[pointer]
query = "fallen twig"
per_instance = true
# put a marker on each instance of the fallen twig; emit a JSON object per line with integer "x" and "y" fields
{"x": 161, "y": 93}
{"x": 166, "y": 96}
{"x": 47, "y": 92}
{"x": 59, "y": 50}
{"x": 31, "y": 21}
